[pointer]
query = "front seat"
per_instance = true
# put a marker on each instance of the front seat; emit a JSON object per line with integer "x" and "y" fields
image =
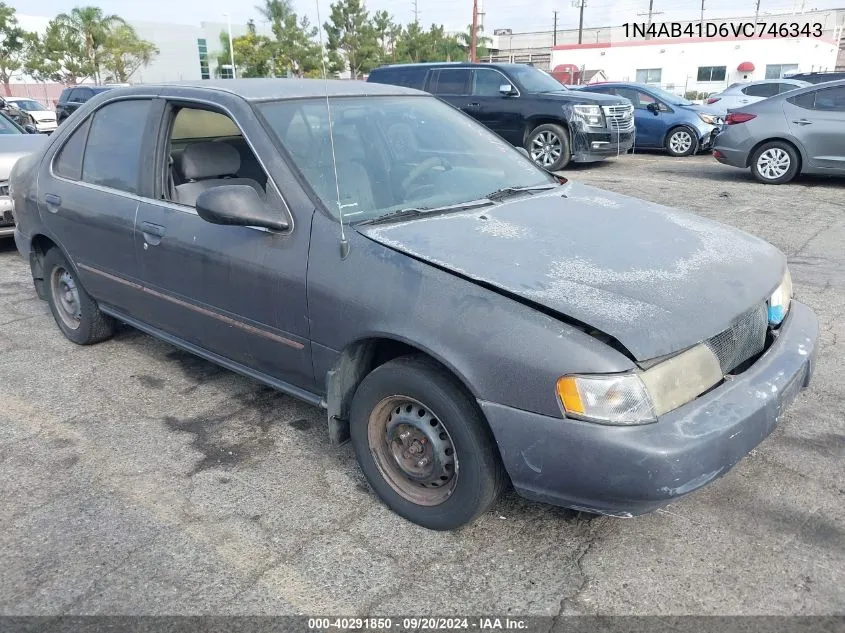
{"x": 206, "y": 165}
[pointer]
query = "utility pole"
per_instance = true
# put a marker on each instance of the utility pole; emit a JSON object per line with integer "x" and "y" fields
{"x": 757, "y": 11}
{"x": 473, "y": 37}
{"x": 554, "y": 41}
{"x": 651, "y": 12}
{"x": 580, "y": 4}
{"x": 702, "y": 10}
{"x": 415, "y": 9}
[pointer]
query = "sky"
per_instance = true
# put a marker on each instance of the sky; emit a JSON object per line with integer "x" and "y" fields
{"x": 498, "y": 13}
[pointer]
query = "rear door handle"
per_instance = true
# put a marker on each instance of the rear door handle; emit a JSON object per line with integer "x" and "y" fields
{"x": 802, "y": 122}
{"x": 53, "y": 202}
{"x": 152, "y": 233}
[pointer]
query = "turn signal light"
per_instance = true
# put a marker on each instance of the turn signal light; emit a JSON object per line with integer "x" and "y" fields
{"x": 739, "y": 117}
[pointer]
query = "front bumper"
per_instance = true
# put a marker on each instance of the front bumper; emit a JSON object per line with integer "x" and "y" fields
{"x": 7, "y": 217}
{"x": 708, "y": 138}
{"x": 626, "y": 471}
{"x": 589, "y": 147}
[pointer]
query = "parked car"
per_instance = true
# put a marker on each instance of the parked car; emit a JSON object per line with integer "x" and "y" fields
{"x": 15, "y": 143}
{"x": 43, "y": 119}
{"x": 740, "y": 94}
{"x": 73, "y": 97}
{"x": 666, "y": 121}
{"x": 818, "y": 77}
{"x": 802, "y": 131}
{"x": 527, "y": 107}
{"x": 463, "y": 315}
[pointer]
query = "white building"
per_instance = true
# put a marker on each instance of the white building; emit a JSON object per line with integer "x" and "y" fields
{"x": 696, "y": 64}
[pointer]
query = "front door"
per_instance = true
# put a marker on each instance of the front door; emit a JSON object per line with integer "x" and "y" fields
{"x": 650, "y": 124}
{"x": 817, "y": 120}
{"x": 237, "y": 292}
{"x": 88, "y": 197}
{"x": 499, "y": 112}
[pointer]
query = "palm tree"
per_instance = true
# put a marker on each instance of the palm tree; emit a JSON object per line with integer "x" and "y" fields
{"x": 92, "y": 28}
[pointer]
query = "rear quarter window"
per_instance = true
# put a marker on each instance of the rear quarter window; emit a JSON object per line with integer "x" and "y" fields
{"x": 406, "y": 77}
{"x": 68, "y": 161}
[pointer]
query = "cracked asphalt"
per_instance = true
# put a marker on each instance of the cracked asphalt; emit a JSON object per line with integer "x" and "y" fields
{"x": 138, "y": 479}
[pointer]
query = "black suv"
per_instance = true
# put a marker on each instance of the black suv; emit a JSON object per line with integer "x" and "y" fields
{"x": 73, "y": 97}
{"x": 527, "y": 107}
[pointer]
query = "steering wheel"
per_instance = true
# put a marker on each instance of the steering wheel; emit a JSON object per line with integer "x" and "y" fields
{"x": 422, "y": 169}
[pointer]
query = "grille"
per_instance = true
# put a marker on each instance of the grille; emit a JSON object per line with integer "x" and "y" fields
{"x": 745, "y": 338}
{"x": 620, "y": 117}
{"x": 7, "y": 218}
{"x": 4, "y": 191}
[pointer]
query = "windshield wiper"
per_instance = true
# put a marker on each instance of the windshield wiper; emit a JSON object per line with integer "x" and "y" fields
{"x": 412, "y": 212}
{"x": 505, "y": 192}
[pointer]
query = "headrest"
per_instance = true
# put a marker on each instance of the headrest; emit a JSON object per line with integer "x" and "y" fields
{"x": 208, "y": 160}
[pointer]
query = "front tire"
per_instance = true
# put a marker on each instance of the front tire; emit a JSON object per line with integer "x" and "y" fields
{"x": 423, "y": 444}
{"x": 775, "y": 163}
{"x": 548, "y": 146}
{"x": 76, "y": 313}
{"x": 681, "y": 142}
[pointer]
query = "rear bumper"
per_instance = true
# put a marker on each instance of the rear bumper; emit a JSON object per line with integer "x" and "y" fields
{"x": 588, "y": 147}
{"x": 730, "y": 156}
{"x": 626, "y": 471}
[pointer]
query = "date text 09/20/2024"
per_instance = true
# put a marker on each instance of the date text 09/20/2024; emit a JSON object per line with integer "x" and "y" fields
{"x": 481, "y": 624}
{"x": 634, "y": 30}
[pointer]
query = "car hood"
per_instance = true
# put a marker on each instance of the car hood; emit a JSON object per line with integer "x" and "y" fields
{"x": 15, "y": 146}
{"x": 655, "y": 279}
{"x": 581, "y": 96}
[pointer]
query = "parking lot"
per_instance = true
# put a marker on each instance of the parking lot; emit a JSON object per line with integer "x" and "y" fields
{"x": 138, "y": 479}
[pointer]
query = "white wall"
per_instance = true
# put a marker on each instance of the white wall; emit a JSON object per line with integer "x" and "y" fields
{"x": 679, "y": 60}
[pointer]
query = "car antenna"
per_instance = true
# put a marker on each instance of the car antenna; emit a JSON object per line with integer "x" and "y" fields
{"x": 344, "y": 245}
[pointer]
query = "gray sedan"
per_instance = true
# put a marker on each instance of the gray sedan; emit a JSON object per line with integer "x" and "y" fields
{"x": 464, "y": 317}
{"x": 802, "y": 131}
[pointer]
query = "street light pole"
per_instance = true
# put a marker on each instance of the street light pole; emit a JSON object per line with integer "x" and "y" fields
{"x": 231, "y": 46}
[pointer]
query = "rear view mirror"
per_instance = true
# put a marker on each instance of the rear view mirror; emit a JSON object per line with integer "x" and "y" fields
{"x": 237, "y": 205}
{"x": 507, "y": 90}
{"x": 653, "y": 107}
{"x": 30, "y": 129}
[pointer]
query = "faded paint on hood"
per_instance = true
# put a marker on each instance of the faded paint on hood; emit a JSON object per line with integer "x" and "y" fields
{"x": 15, "y": 146}
{"x": 656, "y": 279}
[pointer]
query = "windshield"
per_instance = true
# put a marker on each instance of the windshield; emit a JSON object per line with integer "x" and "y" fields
{"x": 668, "y": 97}
{"x": 396, "y": 153}
{"x": 535, "y": 80}
{"x": 28, "y": 104}
{"x": 7, "y": 126}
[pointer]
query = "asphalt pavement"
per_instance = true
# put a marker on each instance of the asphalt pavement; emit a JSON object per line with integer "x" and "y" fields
{"x": 138, "y": 479}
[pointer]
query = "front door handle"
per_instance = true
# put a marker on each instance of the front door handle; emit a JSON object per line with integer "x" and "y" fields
{"x": 53, "y": 202}
{"x": 152, "y": 233}
{"x": 802, "y": 122}
{"x": 473, "y": 105}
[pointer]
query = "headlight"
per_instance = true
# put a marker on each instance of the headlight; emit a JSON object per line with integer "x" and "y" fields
{"x": 780, "y": 300}
{"x": 640, "y": 397}
{"x": 708, "y": 119}
{"x": 590, "y": 114}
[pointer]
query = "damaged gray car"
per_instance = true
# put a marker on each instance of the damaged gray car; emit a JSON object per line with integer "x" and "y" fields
{"x": 469, "y": 320}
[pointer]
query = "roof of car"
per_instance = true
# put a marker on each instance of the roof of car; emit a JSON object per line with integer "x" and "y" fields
{"x": 450, "y": 64}
{"x": 277, "y": 89}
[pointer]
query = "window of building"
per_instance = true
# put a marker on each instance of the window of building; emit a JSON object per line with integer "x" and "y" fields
{"x": 779, "y": 71}
{"x": 113, "y": 150}
{"x": 202, "y": 48}
{"x": 711, "y": 73}
{"x": 226, "y": 72}
{"x": 649, "y": 75}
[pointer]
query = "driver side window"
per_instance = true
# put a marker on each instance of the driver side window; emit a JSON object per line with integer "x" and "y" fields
{"x": 486, "y": 83}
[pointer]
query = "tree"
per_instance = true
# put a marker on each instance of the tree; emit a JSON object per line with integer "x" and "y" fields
{"x": 124, "y": 52}
{"x": 223, "y": 56}
{"x": 481, "y": 49}
{"x": 57, "y": 56}
{"x": 352, "y": 41}
{"x": 253, "y": 53}
{"x": 385, "y": 33}
{"x": 12, "y": 45}
{"x": 294, "y": 50}
{"x": 90, "y": 28}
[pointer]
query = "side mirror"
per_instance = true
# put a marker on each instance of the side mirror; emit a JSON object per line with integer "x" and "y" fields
{"x": 237, "y": 205}
{"x": 30, "y": 129}
{"x": 507, "y": 90}
{"x": 653, "y": 107}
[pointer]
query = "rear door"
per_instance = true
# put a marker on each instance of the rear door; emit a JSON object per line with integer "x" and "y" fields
{"x": 817, "y": 120}
{"x": 501, "y": 113}
{"x": 452, "y": 85}
{"x": 88, "y": 195}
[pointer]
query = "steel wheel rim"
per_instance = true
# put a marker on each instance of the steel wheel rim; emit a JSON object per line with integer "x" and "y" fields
{"x": 680, "y": 142}
{"x": 546, "y": 149}
{"x": 413, "y": 450}
{"x": 66, "y": 297}
{"x": 773, "y": 163}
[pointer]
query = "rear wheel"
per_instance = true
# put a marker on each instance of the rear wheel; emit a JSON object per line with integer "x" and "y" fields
{"x": 681, "y": 142}
{"x": 76, "y": 313}
{"x": 775, "y": 163}
{"x": 423, "y": 444}
{"x": 548, "y": 146}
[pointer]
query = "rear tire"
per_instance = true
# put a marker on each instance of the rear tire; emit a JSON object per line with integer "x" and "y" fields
{"x": 548, "y": 146}
{"x": 775, "y": 163}
{"x": 423, "y": 444}
{"x": 681, "y": 141}
{"x": 76, "y": 313}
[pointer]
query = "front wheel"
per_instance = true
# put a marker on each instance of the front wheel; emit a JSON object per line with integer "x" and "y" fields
{"x": 681, "y": 142}
{"x": 775, "y": 163}
{"x": 548, "y": 146}
{"x": 423, "y": 444}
